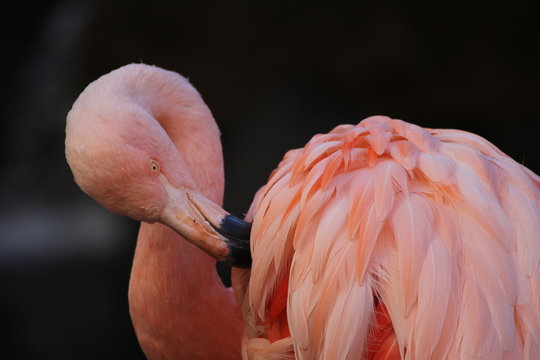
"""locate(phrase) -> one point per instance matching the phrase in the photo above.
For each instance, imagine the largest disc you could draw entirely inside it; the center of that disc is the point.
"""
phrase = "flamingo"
(380, 240)
(384, 240)
(142, 142)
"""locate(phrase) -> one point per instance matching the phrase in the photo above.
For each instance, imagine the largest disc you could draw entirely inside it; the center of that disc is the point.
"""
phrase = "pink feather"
(438, 225)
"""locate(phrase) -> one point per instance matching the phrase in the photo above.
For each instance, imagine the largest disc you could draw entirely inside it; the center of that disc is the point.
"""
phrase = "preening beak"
(237, 233)
(206, 225)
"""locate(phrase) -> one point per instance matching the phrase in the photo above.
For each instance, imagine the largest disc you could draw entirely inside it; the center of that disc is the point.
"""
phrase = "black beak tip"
(238, 233)
(235, 227)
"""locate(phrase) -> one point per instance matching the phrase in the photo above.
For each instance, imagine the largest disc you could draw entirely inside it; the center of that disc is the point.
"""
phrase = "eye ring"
(154, 166)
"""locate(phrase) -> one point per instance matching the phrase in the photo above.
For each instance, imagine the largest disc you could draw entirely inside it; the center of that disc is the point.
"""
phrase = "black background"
(273, 73)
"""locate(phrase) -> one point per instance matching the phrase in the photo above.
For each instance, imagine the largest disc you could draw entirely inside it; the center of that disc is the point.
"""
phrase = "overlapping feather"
(439, 225)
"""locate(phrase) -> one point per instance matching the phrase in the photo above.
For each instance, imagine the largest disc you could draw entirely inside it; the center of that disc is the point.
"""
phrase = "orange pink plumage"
(381, 240)
(394, 241)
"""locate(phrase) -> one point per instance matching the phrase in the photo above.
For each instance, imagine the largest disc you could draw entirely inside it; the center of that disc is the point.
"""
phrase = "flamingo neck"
(178, 305)
(180, 110)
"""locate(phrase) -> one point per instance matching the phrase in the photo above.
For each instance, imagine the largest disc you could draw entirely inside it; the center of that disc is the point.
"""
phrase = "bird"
(386, 240)
(141, 141)
(380, 240)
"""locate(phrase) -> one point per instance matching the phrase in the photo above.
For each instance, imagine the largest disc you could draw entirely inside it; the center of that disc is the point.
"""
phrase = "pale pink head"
(131, 142)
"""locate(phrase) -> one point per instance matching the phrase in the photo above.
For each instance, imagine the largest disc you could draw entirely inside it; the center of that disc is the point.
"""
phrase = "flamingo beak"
(206, 225)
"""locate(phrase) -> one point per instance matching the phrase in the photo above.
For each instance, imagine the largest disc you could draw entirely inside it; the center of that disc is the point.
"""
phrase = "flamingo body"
(385, 240)
(381, 240)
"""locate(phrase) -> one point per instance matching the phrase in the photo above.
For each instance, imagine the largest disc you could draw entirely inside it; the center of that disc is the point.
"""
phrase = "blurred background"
(273, 73)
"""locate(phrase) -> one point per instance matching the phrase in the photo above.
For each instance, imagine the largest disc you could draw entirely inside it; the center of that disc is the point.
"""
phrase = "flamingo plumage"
(380, 240)
(141, 141)
(384, 240)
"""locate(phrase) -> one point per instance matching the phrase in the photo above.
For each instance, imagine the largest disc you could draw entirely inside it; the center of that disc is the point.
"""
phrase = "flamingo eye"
(154, 166)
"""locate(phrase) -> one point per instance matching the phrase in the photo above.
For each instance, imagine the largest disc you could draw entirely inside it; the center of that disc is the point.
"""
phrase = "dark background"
(273, 74)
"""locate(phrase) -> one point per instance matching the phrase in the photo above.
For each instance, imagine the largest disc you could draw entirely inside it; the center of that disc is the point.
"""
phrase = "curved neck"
(179, 307)
(180, 110)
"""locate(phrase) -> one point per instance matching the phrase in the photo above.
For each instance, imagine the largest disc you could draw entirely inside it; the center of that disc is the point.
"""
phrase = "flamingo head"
(124, 159)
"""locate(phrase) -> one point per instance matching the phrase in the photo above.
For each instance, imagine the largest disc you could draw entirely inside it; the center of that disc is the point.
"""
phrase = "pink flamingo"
(381, 240)
(142, 142)
(385, 240)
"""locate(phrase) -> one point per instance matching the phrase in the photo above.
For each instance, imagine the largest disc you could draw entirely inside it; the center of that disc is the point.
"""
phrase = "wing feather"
(412, 222)
(331, 225)
(405, 153)
(438, 226)
(435, 167)
(433, 296)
